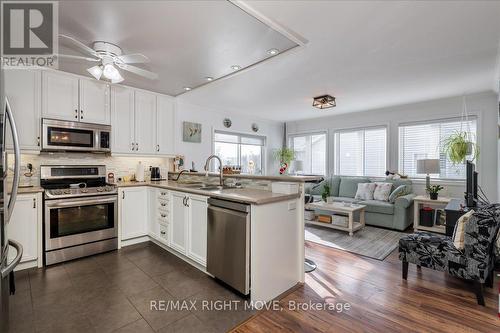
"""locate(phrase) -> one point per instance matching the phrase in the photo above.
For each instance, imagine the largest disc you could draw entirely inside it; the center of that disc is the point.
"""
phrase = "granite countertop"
(28, 190)
(244, 195)
(280, 178)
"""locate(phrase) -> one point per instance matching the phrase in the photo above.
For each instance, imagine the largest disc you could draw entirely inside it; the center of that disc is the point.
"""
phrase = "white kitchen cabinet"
(23, 89)
(60, 96)
(134, 212)
(94, 102)
(197, 229)
(69, 97)
(25, 227)
(165, 125)
(188, 226)
(122, 119)
(145, 122)
(178, 225)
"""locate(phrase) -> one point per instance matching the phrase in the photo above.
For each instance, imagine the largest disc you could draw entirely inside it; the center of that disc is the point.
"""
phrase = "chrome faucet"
(221, 179)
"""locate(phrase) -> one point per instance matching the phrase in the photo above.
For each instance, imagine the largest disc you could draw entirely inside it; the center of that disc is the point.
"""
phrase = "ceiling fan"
(108, 56)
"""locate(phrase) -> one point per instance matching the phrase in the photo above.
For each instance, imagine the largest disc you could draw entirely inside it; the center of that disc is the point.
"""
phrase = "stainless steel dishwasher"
(228, 243)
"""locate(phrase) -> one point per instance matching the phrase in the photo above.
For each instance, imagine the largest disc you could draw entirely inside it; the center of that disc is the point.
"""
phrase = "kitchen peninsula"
(178, 222)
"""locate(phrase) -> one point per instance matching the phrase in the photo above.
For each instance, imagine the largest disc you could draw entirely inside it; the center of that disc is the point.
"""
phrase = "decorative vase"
(433, 196)
(283, 168)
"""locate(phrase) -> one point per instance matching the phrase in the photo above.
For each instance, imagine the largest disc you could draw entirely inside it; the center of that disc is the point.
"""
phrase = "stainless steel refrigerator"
(8, 193)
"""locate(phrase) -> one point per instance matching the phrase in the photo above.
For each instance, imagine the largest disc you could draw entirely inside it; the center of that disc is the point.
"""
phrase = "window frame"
(310, 133)
(263, 148)
(437, 121)
(336, 148)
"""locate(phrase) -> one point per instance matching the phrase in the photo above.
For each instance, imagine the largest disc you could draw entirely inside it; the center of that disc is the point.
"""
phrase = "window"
(421, 141)
(240, 150)
(310, 149)
(361, 152)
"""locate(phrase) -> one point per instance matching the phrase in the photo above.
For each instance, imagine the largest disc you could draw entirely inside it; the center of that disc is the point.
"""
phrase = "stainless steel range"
(80, 212)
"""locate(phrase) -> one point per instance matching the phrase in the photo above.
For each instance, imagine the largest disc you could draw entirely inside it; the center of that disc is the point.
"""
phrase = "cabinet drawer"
(162, 217)
(163, 194)
(163, 232)
(162, 204)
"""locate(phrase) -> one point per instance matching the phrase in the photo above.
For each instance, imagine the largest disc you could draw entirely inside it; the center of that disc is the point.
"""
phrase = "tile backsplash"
(119, 165)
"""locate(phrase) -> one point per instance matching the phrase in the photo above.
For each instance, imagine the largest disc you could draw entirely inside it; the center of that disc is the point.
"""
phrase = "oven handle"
(72, 203)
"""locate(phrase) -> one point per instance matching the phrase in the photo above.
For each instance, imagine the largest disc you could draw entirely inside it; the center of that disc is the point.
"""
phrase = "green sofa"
(397, 215)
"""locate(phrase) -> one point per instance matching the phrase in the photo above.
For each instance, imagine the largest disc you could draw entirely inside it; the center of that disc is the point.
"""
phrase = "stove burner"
(99, 189)
(84, 190)
(67, 191)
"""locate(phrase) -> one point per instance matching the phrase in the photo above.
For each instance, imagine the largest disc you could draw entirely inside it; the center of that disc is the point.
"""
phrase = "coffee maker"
(155, 173)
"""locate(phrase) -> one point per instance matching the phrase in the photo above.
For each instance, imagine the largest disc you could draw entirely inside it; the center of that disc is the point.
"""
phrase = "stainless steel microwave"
(59, 135)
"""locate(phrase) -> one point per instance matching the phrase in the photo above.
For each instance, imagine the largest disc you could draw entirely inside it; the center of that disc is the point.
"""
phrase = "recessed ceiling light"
(235, 67)
(273, 51)
(187, 88)
(209, 78)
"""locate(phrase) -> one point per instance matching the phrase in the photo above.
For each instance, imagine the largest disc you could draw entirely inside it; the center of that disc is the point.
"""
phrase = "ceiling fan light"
(118, 78)
(110, 72)
(95, 71)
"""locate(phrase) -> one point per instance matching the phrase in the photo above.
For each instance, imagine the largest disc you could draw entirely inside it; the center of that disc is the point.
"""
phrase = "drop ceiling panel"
(186, 41)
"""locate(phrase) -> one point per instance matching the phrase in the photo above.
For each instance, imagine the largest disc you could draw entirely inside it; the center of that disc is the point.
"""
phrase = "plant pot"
(433, 196)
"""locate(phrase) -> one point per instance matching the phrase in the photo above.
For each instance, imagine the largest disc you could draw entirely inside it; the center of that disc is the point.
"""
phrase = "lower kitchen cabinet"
(188, 226)
(25, 226)
(134, 212)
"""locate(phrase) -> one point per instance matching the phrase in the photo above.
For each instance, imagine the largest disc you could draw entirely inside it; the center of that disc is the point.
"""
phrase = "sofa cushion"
(376, 206)
(349, 185)
(382, 191)
(365, 191)
(335, 184)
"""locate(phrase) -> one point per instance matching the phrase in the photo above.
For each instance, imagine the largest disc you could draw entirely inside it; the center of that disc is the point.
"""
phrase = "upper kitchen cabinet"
(165, 125)
(94, 102)
(145, 122)
(68, 97)
(122, 120)
(23, 89)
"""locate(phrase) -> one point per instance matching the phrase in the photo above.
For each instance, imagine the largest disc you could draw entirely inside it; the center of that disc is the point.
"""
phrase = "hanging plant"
(459, 145)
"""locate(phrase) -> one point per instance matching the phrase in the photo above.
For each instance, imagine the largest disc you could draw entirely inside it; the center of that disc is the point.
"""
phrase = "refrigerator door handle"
(10, 267)
(17, 160)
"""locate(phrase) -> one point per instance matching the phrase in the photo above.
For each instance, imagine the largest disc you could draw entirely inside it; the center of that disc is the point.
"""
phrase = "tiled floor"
(113, 292)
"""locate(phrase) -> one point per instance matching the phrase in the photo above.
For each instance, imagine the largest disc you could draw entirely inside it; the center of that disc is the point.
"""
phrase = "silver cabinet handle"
(10, 267)
(137, 146)
(163, 204)
(76, 114)
(163, 193)
(123, 195)
(38, 141)
(163, 232)
(81, 114)
(132, 146)
(17, 159)
(163, 215)
(34, 203)
(187, 201)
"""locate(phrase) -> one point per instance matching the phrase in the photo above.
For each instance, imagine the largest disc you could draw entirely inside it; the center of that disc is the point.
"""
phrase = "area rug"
(376, 243)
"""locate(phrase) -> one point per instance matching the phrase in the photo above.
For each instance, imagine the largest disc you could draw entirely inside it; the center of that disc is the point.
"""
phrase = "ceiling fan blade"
(138, 71)
(135, 58)
(68, 56)
(80, 45)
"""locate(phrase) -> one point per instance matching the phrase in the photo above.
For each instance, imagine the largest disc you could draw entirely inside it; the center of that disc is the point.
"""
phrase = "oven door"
(70, 222)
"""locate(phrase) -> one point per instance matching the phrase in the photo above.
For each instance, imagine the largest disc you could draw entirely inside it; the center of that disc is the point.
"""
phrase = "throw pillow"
(382, 191)
(398, 192)
(365, 191)
(459, 232)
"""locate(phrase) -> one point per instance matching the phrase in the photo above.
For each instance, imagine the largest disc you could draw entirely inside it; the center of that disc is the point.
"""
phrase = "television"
(471, 185)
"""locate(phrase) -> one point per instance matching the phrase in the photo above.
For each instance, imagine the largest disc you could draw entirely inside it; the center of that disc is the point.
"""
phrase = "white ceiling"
(186, 41)
(367, 54)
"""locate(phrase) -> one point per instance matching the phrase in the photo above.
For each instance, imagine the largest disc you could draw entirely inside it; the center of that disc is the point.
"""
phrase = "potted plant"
(459, 145)
(326, 192)
(285, 156)
(433, 191)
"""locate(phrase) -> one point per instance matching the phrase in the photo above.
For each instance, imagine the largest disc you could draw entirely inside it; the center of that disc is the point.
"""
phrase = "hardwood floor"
(429, 301)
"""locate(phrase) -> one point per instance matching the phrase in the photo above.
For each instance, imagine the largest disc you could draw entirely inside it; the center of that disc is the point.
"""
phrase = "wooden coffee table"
(338, 207)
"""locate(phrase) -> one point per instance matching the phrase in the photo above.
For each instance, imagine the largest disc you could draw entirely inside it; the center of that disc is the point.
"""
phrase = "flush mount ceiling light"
(273, 51)
(187, 88)
(324, 102)
(235, 67)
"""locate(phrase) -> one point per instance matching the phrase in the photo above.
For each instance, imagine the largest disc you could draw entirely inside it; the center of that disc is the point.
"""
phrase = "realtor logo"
(29, 33)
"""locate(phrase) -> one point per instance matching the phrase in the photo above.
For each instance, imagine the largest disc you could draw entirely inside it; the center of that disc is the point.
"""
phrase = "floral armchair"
(475, 262)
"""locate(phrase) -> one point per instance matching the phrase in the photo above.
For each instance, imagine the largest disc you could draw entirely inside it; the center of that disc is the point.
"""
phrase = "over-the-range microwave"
(59, 135)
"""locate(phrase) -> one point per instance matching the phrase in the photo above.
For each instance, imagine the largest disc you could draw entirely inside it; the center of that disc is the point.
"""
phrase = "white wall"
(212, 120)
(483, 105)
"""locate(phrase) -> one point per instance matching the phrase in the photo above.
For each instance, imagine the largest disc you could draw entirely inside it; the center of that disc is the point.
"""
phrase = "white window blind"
(240, 150)
(311, 150)
(361, 152)
(423, 141)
